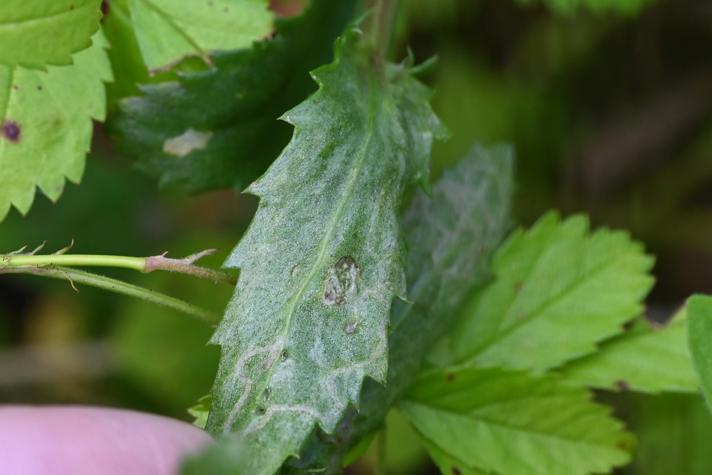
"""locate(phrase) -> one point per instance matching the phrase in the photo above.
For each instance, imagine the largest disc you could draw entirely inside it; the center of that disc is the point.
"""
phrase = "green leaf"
(38, 33)
(170, 30)
(514, 423)
(450, 238)
(646, 358)
(235, 106)
(200, 411)
(559, 290)
(699, 336)
(673, 432)
(46, 124)
(323, 259)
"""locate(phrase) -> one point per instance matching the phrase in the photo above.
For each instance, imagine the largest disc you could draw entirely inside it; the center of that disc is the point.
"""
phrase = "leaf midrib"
(515, 428)
(541, 308)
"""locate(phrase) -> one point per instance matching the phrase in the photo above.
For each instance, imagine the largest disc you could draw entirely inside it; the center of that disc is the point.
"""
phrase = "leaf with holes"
(646, 358)
(514, 423)
(37, 33)
(225, 120)
(46, 119)
(323, 259)
(558, 291)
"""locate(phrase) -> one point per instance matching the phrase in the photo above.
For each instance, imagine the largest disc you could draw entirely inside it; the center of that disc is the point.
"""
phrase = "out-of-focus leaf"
(699, 336)
(673, 432)
(169, 30)
(233, 107)
(514, 423)
(628, 7)
(200, 411)
(37, 33)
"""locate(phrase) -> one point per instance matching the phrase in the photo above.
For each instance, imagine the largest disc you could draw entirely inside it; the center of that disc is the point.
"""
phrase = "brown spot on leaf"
(451, 376)
(456, 471)
(105, 8)
(518, 287)
(11, 131)
(623, 385)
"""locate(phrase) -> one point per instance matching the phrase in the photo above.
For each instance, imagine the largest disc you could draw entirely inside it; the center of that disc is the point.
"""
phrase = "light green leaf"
(170, 30)
(323, 258)
(699, 336)
(646, 358)
(237, 102)
(200, 411)
(558, 291)
(37, 33)
(46, 124)
(513, 423)
(450, 237)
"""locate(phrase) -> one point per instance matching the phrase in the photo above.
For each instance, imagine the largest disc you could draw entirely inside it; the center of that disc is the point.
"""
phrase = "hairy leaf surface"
(170, 30)
(646, 358)
(322, 260)
(46, 124)
(233, 107)
(699, 334)
(450, 237)
(514, 423)
(36, 33)
(558, 291)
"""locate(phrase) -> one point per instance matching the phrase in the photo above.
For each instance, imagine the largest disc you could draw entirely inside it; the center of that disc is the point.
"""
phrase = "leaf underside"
(37, 33)
(235, 105)
(510, 422)
(46, 124)
(627, 7)
(553, 283)
(323, 259)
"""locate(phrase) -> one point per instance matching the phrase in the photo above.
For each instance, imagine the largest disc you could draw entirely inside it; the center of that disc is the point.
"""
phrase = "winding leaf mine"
(323, 258)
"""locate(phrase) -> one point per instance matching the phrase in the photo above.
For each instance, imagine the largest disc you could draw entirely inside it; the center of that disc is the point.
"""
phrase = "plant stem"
(382, 26)
(113, 285)
(141, 264)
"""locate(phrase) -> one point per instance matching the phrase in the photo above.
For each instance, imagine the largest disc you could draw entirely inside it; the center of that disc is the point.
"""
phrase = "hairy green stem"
(142, 264)
(113, 285)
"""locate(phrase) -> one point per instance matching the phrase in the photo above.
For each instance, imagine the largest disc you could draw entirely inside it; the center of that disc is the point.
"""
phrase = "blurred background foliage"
(610, 112)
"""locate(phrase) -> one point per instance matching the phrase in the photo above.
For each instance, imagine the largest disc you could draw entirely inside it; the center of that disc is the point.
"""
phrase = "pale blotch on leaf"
(341, 281)
(351, 327)
(186, 143)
